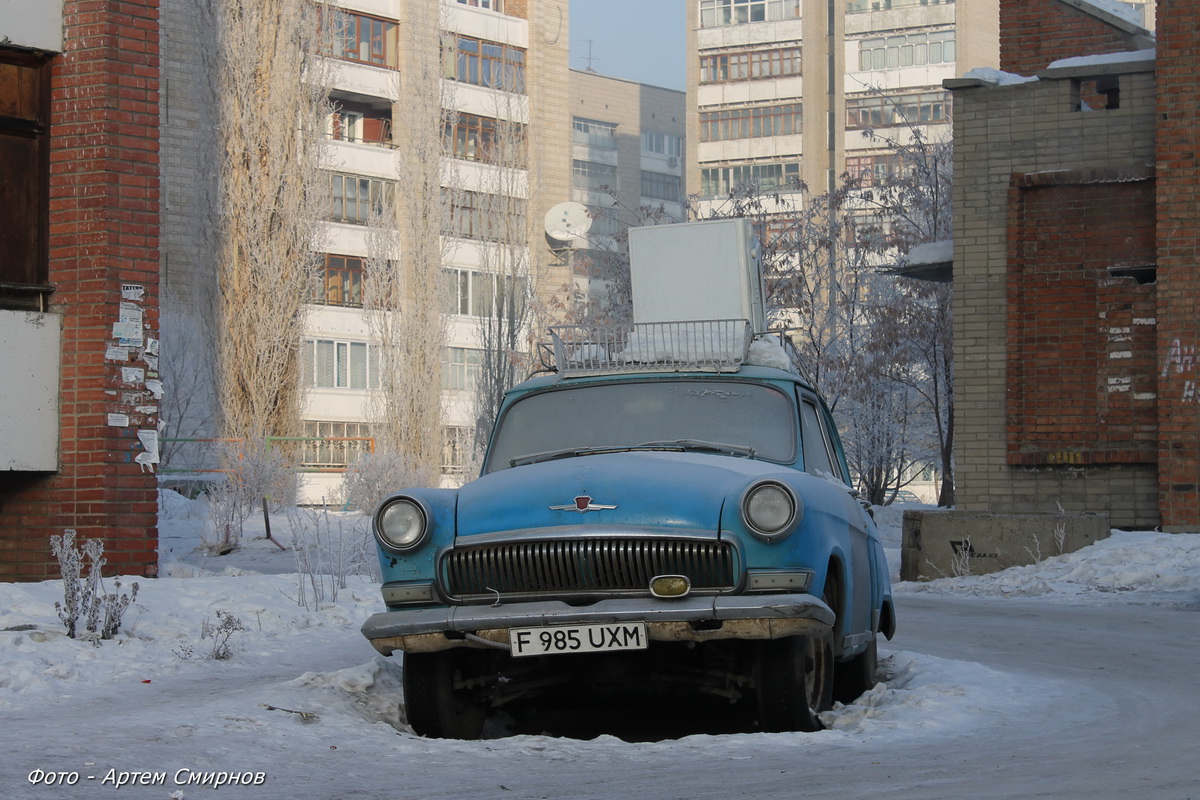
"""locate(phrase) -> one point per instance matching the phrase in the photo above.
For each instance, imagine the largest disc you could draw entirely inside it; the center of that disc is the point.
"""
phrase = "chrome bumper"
(726, 617)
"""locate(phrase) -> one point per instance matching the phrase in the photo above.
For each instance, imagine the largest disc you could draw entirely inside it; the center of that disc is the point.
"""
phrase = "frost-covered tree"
(271, 143)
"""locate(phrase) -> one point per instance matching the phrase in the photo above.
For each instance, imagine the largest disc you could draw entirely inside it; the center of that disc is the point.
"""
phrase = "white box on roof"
(697, 271)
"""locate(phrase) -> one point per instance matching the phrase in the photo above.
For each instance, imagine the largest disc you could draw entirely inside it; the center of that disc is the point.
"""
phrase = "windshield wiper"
(566, 452)
(697, 444)
(674, 444)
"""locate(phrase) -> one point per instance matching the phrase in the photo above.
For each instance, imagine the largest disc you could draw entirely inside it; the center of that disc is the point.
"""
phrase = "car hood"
(661, 490)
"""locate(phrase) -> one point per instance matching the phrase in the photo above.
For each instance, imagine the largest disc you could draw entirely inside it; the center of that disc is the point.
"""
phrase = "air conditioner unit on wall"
(672, 162)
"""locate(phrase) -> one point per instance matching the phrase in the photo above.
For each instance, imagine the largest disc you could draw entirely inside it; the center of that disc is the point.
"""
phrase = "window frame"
(752, 122)
(584, 175)
(720, 180)
(378, 193)
(345, 359)
(462, 368)
(748, 65)
(472, 217)
(662, 186)
(594, 133)
(341, 275)
(381, 39)
(493, 65)
(25, 135)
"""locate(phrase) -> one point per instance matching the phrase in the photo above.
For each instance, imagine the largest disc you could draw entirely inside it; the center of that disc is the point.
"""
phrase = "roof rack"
(694, 346)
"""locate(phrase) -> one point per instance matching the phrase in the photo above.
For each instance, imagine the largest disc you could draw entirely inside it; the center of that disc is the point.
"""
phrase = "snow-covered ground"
(304, 708)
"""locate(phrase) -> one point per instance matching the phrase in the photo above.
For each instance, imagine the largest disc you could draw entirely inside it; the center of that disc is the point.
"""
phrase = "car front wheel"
(794, 678)
(438, 697)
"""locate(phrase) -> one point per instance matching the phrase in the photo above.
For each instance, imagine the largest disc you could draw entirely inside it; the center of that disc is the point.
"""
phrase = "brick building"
(79, 270)
(1075, 267)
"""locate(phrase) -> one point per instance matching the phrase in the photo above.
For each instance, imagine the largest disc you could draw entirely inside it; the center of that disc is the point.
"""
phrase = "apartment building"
(500, 77)
(785, 89)
(503, 154)
(627, 162)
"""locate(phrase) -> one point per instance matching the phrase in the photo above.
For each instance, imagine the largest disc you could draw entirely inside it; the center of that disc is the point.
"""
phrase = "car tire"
(435, 704)
(794, 682)
(855, 676)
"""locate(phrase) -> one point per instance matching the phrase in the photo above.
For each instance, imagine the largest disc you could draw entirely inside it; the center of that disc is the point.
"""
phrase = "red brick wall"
(1034, 33)
(1178, 259)
(1081, 341)
(103, 234)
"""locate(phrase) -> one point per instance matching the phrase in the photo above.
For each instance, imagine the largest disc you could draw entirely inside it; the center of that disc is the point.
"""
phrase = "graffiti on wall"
(1181, 361)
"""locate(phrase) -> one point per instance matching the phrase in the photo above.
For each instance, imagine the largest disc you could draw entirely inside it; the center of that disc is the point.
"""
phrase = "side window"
(817, 457)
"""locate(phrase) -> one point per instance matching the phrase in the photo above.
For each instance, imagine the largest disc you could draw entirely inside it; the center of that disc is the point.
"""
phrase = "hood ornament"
(582, 503)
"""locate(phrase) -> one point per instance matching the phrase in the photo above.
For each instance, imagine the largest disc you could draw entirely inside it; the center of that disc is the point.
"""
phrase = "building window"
(341, 443)
(717, 181)
(490, 5)
(456, 449)
(750, 65)
(490, 64)
(911, 50)
(359, 122)
(461, 367)
(353, 198)
(491, 141)
(367, 40)
(871, 170)
(332, 364)
(488, 217)
(602, 135)
(662, 144)
(718, 13)
(341, 282)
(661, 186)
(907, 109)
(25, 186)
(750, 123)
(484, 294)
(863, 6)
(604, 222)
(593, 177)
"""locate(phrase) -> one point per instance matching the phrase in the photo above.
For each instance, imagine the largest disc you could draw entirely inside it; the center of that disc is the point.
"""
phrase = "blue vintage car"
(690, 515)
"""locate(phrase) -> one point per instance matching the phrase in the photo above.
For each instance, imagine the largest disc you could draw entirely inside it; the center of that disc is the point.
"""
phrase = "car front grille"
(584, 566)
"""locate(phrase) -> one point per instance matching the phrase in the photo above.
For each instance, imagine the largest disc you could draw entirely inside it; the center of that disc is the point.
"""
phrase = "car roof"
(746, 372)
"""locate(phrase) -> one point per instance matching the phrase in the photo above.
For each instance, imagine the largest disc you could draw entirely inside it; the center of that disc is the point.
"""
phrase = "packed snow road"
(1072, 678)
(991, 697)
(1112, 701)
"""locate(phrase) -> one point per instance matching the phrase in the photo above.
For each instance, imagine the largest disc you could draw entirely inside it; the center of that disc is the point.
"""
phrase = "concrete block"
(939, 544)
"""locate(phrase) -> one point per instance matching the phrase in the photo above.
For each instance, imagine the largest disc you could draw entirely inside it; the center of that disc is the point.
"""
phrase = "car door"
(823, 456)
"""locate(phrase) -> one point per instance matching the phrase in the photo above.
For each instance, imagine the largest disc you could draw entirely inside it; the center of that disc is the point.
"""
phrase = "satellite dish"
(567, 222)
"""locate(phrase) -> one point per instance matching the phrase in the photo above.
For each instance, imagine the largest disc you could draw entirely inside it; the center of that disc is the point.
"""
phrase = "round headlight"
(769, 509)
(401, 524)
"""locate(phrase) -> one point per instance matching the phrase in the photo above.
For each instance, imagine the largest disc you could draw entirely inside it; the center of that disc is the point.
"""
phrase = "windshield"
(634, 413)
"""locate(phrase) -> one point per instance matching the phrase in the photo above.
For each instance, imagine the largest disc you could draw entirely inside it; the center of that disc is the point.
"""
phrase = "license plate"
(578, 639)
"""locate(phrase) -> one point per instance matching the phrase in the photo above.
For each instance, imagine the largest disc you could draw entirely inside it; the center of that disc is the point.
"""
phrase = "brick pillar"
(103, 234)
(1178, 265)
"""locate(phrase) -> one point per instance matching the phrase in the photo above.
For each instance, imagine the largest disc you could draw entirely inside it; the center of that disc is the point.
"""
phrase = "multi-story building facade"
(514, 133)
(783, 90)
(627, 147)
(789, 96)
(499, 78)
